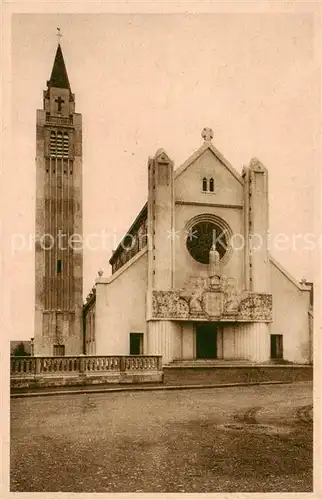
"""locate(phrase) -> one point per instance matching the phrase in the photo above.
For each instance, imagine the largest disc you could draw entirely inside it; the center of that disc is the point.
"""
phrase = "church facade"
(193, 277)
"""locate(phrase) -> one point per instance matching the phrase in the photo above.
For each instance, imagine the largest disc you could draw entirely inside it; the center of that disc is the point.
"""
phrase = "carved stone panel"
(213, 304)
(168, 304)
(208, 305)
(256, 307)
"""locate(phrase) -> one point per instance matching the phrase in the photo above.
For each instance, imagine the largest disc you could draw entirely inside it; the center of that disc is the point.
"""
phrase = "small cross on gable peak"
(207, 134)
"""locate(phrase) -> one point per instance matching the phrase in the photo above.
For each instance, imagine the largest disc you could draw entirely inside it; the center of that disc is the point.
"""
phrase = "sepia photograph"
(161, 223)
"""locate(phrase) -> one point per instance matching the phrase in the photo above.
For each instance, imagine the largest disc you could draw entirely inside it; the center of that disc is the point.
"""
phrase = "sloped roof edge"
(218, 155)
(288, 275)
(141, 215)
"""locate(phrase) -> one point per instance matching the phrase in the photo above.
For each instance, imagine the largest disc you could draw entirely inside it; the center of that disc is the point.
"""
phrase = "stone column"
(160, 222)
(249, 341)
(164, 339)
(256, 227)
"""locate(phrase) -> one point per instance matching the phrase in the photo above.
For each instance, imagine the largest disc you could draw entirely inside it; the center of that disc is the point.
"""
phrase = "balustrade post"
(37, 366)
(122, 365)
(81, 364)
(160, 363)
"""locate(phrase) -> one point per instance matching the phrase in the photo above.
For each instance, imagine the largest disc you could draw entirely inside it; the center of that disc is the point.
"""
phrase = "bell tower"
(58, 248)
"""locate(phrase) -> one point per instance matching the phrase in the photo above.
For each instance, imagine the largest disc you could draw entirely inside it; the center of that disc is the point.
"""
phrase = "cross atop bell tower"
(59, 261)
(59, 35)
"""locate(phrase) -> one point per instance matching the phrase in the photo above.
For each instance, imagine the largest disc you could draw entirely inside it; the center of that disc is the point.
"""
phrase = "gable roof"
(219, 156)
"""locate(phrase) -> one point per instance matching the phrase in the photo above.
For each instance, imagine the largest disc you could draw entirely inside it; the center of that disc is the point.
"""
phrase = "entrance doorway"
(206, 340)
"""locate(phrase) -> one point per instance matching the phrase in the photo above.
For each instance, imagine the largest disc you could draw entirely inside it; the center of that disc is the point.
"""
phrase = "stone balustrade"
(22, 367)
(150, 363)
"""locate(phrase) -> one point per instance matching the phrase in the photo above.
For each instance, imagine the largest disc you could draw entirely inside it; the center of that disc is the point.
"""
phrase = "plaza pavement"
(228, 439)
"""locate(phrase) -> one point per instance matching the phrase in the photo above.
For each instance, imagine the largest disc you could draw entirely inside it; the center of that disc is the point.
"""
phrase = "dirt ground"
(238, 439)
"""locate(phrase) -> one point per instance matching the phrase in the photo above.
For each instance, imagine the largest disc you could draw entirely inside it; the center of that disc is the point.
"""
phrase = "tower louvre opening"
(59, 144)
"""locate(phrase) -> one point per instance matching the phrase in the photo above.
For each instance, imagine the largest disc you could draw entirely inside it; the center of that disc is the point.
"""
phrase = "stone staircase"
(223, 362)
(210, 362)
(219, 371)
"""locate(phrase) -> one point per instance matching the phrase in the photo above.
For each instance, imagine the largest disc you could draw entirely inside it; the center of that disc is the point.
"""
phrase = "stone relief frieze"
(169, 304)
(254, 304)
(211, 305)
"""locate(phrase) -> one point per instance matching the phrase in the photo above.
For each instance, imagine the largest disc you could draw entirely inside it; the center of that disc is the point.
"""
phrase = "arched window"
(204, 184)
(211, 185)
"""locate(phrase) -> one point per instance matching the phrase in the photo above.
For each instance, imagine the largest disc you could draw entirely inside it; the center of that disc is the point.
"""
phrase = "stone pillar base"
(164, 339)
(250, 341)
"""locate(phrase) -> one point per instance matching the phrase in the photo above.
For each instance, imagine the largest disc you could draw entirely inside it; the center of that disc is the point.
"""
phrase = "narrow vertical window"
(52, 143)
(66, 145)
(59, 145)
(58, 266)
(211, 185)
(204, 184)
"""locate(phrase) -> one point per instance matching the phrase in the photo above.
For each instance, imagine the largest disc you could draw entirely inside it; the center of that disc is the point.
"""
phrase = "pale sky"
(148, 81)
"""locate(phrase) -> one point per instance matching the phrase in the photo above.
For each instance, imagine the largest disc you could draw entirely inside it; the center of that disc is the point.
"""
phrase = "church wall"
(188, 185)
(290, 316)
(185, 265)
(121, 307)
